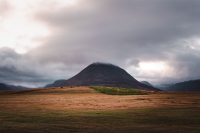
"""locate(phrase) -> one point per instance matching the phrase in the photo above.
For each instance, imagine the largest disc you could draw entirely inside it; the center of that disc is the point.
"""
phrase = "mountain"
(163, 86)
(101, 74)
(5, 87)
(192, 85)
(146, 83)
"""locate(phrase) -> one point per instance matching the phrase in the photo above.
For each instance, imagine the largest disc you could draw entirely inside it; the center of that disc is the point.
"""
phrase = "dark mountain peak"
(105, 68)
(101, 64)
(102, 74)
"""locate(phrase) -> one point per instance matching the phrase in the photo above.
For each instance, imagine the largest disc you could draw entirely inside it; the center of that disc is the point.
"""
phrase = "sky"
(155, 40)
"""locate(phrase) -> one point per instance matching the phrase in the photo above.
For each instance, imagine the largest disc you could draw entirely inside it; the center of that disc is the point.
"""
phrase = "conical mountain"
(101, 74)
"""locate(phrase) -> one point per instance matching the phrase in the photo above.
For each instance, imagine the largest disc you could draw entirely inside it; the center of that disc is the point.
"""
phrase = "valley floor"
(81, 109)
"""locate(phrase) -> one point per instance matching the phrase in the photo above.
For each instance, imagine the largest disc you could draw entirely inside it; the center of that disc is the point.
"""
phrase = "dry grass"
(87, 99)
(81, 109)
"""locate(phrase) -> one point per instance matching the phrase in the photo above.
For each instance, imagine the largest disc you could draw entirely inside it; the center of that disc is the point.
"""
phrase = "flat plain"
(82, 109)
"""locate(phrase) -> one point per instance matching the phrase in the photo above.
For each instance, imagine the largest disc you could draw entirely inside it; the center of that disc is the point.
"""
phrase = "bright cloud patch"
(148, 70)
(19, 30)
(152, 68)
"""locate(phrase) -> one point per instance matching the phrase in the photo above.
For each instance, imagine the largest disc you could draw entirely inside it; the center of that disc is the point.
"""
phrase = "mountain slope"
(5, 87)
(193, 85)
(100, 74)
(146, 83)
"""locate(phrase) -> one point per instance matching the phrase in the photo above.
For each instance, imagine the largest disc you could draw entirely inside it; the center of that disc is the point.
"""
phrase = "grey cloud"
(118, 31)
(122, 32)
(23, 70)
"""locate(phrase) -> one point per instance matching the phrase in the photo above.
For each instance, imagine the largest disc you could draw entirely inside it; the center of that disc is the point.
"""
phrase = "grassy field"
(118, 91)
(171, 120)
(84, 110)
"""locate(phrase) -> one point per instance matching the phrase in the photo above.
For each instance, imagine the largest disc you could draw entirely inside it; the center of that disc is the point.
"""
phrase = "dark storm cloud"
(27, 71)
(123, 32)
(17, 69)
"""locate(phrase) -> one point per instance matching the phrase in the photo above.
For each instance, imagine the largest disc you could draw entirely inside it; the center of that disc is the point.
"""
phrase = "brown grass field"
(82, 109)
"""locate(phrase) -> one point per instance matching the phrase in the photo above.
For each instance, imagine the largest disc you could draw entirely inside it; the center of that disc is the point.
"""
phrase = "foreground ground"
(82, 109)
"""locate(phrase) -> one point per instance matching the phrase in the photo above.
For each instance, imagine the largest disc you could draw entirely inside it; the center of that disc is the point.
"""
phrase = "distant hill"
(193, 85)
(5, 87)
(101, 74)
(163, 86)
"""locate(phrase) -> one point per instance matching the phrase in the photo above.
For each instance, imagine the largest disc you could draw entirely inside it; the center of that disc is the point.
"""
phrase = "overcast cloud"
(130, 33)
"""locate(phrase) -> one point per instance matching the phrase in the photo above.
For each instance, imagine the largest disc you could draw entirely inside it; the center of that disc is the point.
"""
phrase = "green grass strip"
(118, 91)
